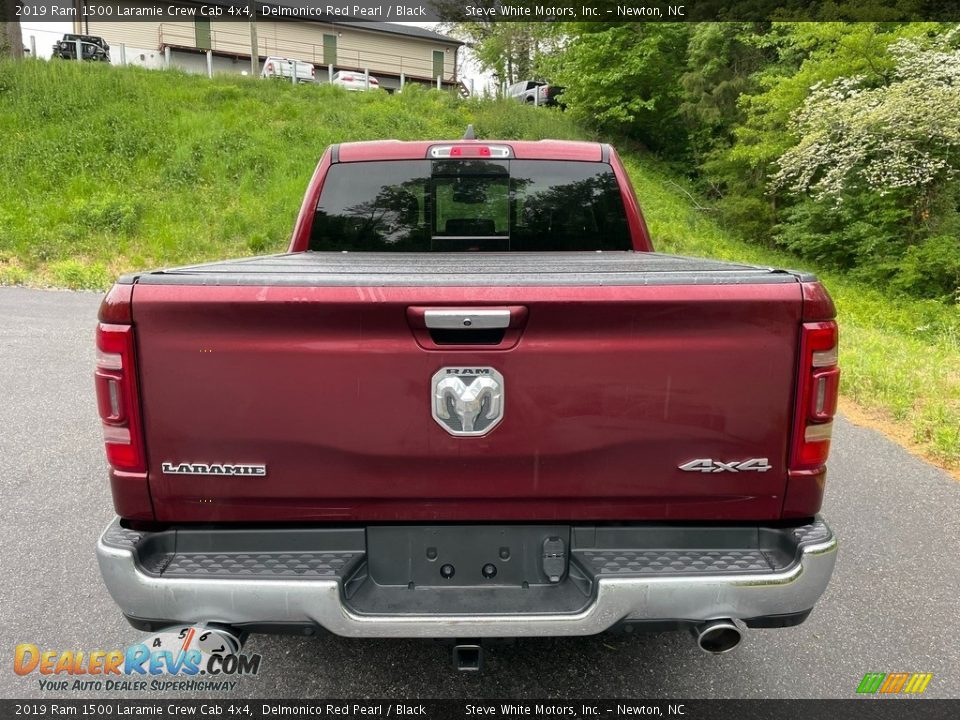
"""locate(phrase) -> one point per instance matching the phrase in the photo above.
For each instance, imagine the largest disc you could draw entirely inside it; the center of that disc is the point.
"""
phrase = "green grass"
(125, 168)
(118, 169)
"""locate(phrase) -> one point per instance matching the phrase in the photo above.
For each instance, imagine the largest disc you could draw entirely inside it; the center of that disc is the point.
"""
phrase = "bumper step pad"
(280, 553)
(628, 562)
(289, 565)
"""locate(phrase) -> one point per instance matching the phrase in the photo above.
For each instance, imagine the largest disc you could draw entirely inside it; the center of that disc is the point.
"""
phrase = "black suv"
(91, 47)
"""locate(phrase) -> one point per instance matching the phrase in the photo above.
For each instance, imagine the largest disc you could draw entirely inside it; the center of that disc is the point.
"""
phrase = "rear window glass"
(470, 205)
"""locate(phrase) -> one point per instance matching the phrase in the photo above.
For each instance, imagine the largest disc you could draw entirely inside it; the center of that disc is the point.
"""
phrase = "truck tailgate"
(621, 368)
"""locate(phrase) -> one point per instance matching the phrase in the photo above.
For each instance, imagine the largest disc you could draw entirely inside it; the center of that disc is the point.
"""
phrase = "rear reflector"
(118, 400)
(818, 433)
(116, 435)
(109, 361)
(825, 358)
(818, 385)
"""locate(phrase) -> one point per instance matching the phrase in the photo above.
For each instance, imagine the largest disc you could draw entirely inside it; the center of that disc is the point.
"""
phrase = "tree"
(510, 50)
(799, 56)
(625, 78)
(722, 59)
(11, 39)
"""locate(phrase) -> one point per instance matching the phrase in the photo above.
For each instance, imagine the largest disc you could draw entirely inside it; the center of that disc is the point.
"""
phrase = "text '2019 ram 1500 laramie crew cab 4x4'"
(469, 402)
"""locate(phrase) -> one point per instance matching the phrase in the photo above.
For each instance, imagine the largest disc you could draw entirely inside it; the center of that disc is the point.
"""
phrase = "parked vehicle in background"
(91, 47)
(287, 68)
(351, 80)
(535, 92)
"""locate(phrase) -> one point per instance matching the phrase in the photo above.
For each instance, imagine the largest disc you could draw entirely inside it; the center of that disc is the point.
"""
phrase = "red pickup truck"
(470, 402)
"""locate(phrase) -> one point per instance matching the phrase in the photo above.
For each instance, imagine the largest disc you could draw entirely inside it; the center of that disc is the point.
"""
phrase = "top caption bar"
(492, 11)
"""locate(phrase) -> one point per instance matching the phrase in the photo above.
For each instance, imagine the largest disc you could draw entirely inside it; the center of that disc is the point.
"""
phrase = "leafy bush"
(747, 215)
(863, 231)
(12, 274)
(109, 214)
(258, 243)
(78, 275)
(931, 269)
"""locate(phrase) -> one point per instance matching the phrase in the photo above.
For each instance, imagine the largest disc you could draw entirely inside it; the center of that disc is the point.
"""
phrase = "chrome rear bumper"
(152, 580)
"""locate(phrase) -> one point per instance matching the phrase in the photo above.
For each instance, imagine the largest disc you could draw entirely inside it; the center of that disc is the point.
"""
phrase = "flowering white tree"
(902, 135)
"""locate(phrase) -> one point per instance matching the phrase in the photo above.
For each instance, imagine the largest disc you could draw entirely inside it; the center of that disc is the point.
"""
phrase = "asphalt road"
(893, 605)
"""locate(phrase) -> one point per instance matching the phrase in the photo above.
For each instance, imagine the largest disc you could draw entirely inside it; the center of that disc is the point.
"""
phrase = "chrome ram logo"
(467, 401)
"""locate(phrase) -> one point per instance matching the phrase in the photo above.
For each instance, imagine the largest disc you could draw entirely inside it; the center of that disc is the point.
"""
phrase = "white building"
(387, 50)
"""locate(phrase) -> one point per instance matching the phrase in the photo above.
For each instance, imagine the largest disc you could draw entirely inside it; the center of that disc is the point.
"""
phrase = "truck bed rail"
(467, 269)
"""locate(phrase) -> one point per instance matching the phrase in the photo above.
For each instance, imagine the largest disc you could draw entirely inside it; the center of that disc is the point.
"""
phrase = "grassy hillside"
(116, 169)
(126, 168)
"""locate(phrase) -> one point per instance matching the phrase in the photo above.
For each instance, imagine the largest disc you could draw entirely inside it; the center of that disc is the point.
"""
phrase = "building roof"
(384, 27)
(395, 29)
(373, 26)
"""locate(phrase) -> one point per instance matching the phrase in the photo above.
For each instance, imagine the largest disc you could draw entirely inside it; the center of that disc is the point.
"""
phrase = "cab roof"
(419, 149)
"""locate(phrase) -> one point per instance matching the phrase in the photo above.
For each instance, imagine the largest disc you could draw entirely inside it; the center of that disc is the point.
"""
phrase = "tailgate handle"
(467, 319)
(463, 327)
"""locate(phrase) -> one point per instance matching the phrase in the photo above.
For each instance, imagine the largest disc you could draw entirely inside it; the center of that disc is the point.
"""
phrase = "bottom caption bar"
(440, 709)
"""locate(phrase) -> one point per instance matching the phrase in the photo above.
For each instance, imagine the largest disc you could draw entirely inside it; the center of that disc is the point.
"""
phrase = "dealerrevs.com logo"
(184, 657)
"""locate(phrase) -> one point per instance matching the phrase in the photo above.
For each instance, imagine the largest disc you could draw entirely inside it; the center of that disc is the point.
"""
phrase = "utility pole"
(11, 38)
(254, 45)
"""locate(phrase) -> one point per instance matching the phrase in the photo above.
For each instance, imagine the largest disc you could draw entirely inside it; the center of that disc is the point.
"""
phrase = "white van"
(280, 67)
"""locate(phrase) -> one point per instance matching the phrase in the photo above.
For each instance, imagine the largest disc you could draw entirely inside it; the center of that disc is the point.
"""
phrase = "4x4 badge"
(707, 465)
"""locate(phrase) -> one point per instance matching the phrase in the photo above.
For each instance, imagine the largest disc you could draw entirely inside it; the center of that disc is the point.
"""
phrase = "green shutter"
(202, 29)
(329, 49)
(437, 64)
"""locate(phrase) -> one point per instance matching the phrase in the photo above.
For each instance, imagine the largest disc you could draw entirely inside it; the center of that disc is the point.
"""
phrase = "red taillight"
(374, 81)
(817, 388)
(470, 151)
(118, 398)
(269, 67)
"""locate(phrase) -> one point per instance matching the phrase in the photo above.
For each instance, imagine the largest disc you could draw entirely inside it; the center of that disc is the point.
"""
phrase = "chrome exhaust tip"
(717, 636)
(229, 638)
